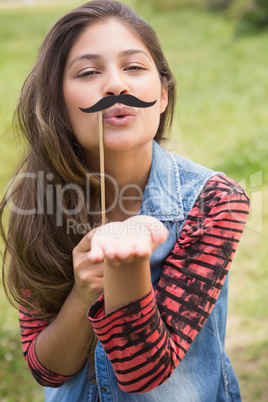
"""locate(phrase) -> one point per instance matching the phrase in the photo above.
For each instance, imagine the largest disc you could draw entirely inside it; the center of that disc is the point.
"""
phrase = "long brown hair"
(38, 244)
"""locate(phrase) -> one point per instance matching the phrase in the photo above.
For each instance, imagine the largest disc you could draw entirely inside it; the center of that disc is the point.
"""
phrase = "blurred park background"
(218, 50)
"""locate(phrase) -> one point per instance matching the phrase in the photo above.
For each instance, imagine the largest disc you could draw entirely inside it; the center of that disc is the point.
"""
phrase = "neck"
(126, 176)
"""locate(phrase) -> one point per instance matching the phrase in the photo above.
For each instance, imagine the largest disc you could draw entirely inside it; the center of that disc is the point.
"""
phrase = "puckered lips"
(119, 115)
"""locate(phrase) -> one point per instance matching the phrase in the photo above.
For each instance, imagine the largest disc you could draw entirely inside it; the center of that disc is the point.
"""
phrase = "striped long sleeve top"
(146, 339)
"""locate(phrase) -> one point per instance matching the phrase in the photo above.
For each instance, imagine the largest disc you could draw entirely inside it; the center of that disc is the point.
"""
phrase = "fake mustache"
(110, 100)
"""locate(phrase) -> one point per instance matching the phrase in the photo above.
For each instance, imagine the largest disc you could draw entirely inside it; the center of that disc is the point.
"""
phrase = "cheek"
(76, 96)
(71, 108)
(152, 119)
(84, 125)
(73, 113)
(73, 101)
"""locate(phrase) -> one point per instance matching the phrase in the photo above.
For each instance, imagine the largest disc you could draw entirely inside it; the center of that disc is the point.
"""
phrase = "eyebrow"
(92, 56)
(133, 51)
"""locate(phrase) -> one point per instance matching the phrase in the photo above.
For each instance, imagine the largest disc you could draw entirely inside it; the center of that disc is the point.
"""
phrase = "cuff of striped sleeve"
(98, 319)
(134, 340)
(43, 376)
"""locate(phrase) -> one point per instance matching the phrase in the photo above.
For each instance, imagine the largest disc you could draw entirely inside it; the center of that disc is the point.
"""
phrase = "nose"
(115, 83)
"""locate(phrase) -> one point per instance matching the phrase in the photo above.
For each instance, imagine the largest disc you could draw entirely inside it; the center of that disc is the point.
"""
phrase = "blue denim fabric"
(205, 373)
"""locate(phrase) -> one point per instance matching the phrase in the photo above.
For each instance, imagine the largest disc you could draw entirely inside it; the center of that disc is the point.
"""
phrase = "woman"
(146, 283)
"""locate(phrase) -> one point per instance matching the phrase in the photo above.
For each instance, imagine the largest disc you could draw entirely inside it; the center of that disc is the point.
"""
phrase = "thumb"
(159, 233)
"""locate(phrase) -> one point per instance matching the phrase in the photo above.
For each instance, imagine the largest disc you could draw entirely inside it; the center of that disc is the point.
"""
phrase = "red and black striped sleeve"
(148, 338)
(30, 328)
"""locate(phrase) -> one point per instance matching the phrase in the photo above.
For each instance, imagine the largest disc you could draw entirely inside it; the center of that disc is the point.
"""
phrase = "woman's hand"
(114, 259)
(123, 242)
(125, 247)
(88, 276)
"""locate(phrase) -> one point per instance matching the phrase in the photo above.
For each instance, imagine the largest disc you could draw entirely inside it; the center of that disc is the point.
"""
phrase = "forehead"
(107, 36)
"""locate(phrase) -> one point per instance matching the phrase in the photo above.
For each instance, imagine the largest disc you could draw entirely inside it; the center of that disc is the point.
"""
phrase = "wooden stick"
(102, 172)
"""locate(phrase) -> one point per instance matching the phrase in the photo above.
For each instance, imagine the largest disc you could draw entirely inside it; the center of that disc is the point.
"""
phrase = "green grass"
(221, 122)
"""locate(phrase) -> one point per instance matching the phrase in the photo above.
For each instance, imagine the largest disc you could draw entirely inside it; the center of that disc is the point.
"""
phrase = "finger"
(109, 248)
(114, 262)
(85, 244)
(99, 269)
(123, 256)
(143, 247)
(127, 260)
(96, 254)
(96, 269)
(125, 249)
(159, 233)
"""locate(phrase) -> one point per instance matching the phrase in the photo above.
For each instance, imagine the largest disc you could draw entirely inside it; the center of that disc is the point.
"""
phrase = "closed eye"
(87, 73)
(135, 68)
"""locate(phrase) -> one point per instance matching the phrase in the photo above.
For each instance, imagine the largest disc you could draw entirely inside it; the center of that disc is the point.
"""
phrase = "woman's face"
(109, 59)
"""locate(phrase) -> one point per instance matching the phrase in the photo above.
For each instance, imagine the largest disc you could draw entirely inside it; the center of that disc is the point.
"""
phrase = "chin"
(119, 141)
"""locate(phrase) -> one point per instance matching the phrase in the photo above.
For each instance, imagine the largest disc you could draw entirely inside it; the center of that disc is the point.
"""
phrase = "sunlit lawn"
(221, 122)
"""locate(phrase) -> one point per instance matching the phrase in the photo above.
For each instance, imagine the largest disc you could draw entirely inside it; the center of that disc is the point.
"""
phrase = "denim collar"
(162, 196)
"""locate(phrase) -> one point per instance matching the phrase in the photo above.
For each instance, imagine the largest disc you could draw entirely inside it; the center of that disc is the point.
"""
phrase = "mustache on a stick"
(110, 100)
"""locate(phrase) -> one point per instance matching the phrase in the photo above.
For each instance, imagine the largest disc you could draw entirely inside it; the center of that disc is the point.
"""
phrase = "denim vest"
(205, 373)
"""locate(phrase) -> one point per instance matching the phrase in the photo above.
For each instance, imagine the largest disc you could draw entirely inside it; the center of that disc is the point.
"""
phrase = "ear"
(164, 96)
